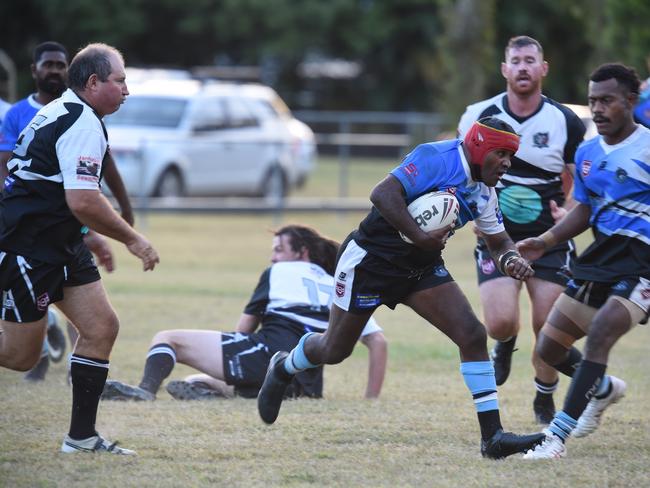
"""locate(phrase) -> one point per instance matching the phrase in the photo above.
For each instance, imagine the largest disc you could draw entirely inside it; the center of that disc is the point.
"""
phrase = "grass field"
(421, 432)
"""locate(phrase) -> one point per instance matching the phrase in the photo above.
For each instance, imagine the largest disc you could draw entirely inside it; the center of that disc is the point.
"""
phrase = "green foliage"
(422, 55)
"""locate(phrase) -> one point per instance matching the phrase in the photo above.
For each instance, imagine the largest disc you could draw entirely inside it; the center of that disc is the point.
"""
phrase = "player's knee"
(335, 355)
(24, 361)
(103, 331)
(549, 351)
(473, 339)
(501, 329)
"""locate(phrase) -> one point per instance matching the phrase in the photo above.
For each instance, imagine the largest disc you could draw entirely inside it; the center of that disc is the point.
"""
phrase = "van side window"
(210, 115)
(239, 114)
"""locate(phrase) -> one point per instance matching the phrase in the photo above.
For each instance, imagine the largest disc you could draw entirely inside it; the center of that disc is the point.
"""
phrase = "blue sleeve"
(422, 170)
(580, 193)
(9, 134)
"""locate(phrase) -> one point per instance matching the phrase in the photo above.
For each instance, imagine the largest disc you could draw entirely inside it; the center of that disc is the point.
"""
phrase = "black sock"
(490, 422)
(583, 387)
(545, 390)
(88, 379)
(161, 360)
(570, 363)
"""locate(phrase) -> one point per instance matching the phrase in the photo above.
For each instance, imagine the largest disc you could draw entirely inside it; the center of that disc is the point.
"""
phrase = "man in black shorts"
(531, 197)
(610, 291)
(292, 298)
(51, 212)
(377, 266)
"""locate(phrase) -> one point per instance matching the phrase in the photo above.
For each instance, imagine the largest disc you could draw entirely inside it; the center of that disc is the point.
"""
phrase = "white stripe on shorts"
(350, 258)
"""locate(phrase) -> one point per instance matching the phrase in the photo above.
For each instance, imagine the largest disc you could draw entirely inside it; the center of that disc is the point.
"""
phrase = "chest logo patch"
(540, 139)
(586, 167)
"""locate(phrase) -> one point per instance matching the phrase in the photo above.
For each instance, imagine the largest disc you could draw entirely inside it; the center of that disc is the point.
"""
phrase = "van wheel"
(275, 184)
(170, 184)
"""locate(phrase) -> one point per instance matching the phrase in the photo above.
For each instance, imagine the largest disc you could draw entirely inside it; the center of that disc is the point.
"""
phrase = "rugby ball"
(433, 211)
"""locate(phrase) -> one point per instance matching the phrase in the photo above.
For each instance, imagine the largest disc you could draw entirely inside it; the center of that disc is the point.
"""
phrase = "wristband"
(548, 238)
(505, 259)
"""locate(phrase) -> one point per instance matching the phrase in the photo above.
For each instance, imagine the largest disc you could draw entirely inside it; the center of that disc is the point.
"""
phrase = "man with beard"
(531, 196)
(50, 73)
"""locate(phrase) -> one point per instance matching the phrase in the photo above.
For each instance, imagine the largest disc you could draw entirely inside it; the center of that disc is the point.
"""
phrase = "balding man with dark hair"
(51, 212)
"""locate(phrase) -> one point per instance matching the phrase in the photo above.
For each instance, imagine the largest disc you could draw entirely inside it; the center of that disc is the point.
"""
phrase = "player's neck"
(44, 98)
(523, 105)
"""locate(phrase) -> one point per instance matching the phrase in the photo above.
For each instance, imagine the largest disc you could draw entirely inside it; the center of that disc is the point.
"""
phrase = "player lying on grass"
(292, 298)
(376, 266)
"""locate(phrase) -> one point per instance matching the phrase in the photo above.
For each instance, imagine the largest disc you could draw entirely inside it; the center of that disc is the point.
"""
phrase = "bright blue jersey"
(615, 182)
(16, 119)
(434, 166)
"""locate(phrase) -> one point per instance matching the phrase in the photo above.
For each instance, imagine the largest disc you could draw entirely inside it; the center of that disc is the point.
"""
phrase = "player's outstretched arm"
(94, 210)
(572, 224)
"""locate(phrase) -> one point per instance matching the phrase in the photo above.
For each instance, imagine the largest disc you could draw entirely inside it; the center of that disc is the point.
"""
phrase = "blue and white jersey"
(548, 141)
(16, 119)
(434, 166)
(298, 292)
(615, 182)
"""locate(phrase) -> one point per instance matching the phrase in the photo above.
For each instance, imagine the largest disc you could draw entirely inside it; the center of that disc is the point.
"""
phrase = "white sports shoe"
(93, 444)
(551, 448)
(590, 418)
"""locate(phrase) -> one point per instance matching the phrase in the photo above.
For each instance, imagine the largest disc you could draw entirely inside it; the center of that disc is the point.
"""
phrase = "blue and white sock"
(562, 425)
(297, 360)
(479, 378)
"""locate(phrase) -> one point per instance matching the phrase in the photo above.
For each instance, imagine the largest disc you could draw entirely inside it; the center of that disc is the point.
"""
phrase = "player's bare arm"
(94, 210)
(114, 181)
(506, 256)
(574, 223)
(389, 198)
(247, 323)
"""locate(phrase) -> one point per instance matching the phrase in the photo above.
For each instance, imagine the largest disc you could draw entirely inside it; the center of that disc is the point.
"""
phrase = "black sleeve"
(257, 304)
(575, 133)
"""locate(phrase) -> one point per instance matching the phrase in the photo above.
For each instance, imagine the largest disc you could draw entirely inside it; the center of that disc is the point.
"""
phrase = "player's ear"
(304, 254)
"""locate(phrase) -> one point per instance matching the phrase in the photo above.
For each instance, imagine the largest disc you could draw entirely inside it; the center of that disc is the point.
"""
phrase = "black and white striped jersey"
(62, 148)
(548, 141)
(299, 292)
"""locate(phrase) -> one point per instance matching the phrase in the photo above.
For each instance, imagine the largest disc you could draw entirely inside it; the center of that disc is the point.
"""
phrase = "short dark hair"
(48, 46)
(624, 75)
(523, 41)
(92, 59)
(322, 250)
(497, 124)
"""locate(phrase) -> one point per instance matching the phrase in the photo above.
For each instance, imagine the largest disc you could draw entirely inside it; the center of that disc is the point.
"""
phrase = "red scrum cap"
(486, 135)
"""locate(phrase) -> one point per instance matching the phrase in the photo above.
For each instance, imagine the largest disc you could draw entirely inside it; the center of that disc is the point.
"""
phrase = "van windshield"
(149, 112)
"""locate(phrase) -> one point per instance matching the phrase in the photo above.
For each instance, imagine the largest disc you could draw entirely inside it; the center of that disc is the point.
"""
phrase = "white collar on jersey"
(628, 140)
(463, 160)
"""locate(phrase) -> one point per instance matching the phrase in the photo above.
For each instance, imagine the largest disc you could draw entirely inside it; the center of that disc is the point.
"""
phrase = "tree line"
(411, 55)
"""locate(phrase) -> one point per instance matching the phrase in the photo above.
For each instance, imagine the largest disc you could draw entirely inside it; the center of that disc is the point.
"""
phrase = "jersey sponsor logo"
(9, 183)
(586, 167)
(440, 271)
(621, 175)
(8, 302)
(43, 301)
(602, 164)
(342, 276)
(411, 171)
(87, 169)
(367, 301)
(340, 289)
(487, 266)
(540, 139)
